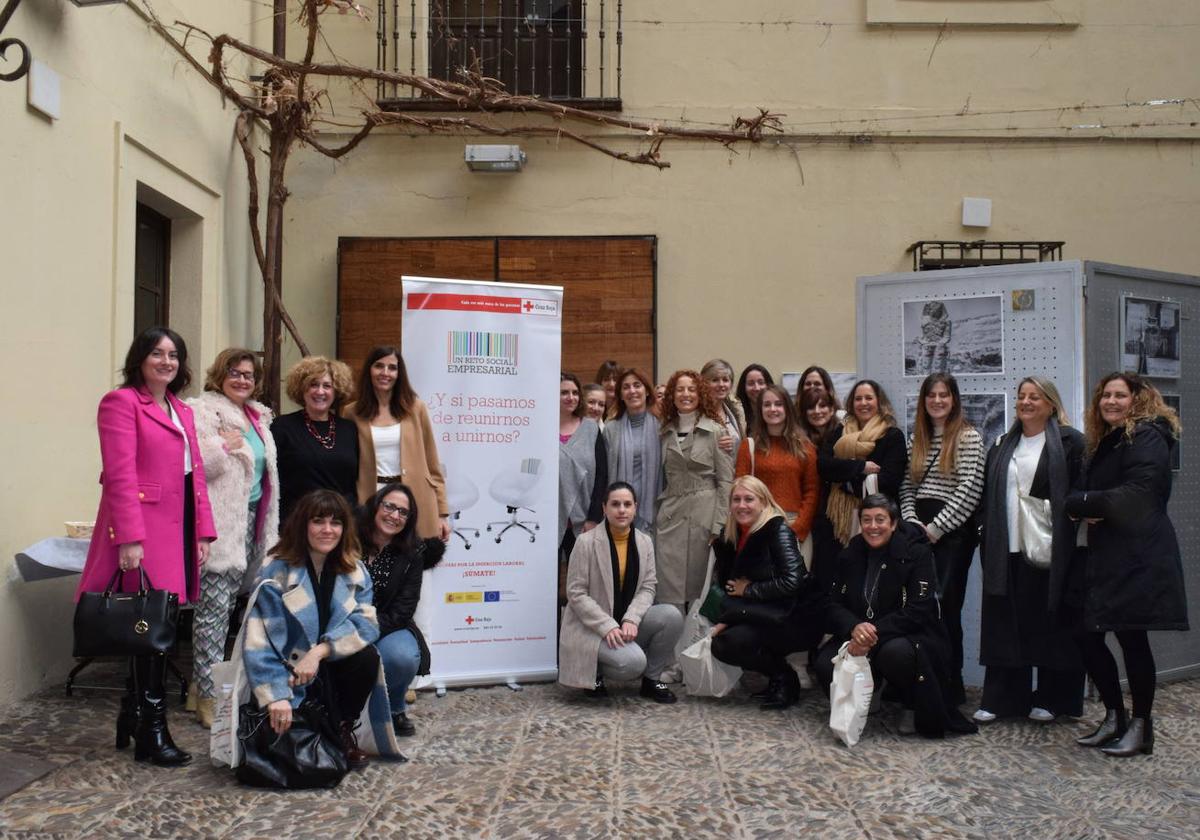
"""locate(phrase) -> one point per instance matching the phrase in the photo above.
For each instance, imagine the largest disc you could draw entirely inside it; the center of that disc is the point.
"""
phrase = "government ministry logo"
(473, 351)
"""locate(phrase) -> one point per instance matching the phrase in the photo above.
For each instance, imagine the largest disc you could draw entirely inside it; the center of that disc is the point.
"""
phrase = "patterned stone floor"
(493, 763)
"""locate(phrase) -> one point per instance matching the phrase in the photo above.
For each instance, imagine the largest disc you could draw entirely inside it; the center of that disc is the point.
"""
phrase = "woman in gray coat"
(697, 475)
(611, 626)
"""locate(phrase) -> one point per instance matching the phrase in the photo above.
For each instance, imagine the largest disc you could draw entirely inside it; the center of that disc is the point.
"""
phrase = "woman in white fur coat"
(243, 484)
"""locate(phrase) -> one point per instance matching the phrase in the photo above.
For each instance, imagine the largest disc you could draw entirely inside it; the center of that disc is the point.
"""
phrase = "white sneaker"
(1040, 715)
(983, 716)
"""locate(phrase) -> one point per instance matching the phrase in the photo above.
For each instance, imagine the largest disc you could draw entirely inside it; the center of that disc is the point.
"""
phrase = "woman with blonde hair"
(939, 493)
(1133, 578)
(396, 443)
(770, 607)
(1039, 459)
(867, 455)
(317, 448)
(719, 375)
(243, 488)
(696, 478)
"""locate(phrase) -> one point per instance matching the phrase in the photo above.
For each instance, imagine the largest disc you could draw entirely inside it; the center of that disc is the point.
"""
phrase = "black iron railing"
(564, 50)
(930, 254)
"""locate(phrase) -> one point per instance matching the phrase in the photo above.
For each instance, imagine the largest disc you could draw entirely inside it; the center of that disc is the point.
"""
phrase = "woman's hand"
(233, 439)
(870, 468)
(202, 547)
(718, 629)
(304, 671)
(1094, 520)
(725, 442)
(862, 638)
(280, 713)
(444, 529)
(629, 631)
(929, 534)
(614, 638)
(129, 556)
(587, 526)
(737, 587)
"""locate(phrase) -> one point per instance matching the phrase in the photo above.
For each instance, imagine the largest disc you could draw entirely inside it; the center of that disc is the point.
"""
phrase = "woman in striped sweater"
(940, 491)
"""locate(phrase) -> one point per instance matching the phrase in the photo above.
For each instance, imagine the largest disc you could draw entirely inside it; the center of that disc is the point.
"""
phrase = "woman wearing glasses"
(396, 559)
(243, 489)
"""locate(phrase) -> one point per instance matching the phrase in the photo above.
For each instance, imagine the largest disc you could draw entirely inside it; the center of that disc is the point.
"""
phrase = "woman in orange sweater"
(785, 460)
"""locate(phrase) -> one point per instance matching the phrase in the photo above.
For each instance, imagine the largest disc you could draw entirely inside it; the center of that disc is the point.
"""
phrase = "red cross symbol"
(528, 306)
(470, 620)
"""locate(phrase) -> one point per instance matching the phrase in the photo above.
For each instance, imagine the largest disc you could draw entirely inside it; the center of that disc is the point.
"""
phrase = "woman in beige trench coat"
(611, 626)
(694, 500)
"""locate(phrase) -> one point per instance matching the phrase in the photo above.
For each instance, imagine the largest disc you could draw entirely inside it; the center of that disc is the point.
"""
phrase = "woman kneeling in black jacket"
(771, 607)
(397, 561)
(884, 603)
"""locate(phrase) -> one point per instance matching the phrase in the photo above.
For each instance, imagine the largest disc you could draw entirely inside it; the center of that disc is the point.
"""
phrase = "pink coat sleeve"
(117, 423)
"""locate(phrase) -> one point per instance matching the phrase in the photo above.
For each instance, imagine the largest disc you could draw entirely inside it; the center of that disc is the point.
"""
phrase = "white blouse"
(1020, 474)
(387, 449)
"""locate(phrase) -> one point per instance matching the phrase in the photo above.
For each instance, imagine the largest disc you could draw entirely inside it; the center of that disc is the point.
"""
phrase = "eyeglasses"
(248, 375)
(388, 507)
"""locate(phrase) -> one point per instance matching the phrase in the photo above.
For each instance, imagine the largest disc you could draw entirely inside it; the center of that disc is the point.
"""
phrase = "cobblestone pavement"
(545, 762)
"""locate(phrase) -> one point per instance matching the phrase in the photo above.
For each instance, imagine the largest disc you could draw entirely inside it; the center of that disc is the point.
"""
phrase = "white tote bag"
(850, 696)
(232, 690)
(696, 626)
(704, 674)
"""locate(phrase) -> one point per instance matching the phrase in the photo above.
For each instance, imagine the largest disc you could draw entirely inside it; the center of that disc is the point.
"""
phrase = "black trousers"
(1139, 668)
(346, 683)
(1009, 692)
(753, 648)
(895, 661)
(952, 556)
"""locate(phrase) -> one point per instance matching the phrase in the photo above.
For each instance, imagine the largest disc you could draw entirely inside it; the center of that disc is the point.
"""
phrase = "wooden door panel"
(370, 294)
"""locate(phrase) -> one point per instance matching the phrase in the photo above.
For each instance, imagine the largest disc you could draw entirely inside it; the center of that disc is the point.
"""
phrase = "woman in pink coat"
(154, 513)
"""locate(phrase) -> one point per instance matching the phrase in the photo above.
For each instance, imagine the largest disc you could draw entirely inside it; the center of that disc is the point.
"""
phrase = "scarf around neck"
(639, 443)
(854, 444)
(623, 591)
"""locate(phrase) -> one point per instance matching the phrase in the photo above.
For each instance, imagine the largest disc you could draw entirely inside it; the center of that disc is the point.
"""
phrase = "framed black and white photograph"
(963, 336)
(988, 413)
(1150, 336)
(1177, 452)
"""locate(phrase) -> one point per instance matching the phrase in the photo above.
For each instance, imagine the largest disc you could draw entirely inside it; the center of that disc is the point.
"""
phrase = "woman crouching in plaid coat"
(318, 623)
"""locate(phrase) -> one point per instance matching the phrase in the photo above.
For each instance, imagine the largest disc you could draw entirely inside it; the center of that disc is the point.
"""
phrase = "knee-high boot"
(152, 739)
(127, 714)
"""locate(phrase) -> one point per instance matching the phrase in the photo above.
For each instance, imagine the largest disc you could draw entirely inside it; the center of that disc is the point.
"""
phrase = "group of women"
(330, 514)
(828, 528)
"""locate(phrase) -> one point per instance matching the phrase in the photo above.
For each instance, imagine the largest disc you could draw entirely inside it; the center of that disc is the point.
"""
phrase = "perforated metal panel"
(1176, 654)
(1046, 340)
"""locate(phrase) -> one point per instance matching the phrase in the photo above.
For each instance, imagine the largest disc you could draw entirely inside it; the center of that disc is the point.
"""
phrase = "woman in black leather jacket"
(771, 607)
(884, 604)
(397, 560)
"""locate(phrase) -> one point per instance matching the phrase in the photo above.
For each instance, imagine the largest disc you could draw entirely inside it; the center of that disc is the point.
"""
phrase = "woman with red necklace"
(317, 449)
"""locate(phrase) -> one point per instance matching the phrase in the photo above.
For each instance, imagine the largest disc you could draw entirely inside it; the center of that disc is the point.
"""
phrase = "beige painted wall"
(758, 250)
(133, 119)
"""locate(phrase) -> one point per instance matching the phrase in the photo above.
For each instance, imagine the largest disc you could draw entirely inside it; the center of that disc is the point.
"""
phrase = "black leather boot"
(1110, 729)
(1138, 738)
(127, 717)
(152, 740)
(787, 693)
(772, 687)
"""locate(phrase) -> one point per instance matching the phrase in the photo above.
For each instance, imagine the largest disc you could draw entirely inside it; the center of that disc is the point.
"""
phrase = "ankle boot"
(786, 694)
(1138, 738)
(127, 717)
(1111, 728)
(355, 757)
(152, 740)
(205, 710)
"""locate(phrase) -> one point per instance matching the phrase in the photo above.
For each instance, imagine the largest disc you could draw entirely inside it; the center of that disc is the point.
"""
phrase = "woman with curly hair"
(1132, 581)
(697, 476)
(317, 450)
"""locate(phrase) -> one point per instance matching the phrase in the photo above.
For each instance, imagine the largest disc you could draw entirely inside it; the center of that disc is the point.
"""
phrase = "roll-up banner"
(485, 358)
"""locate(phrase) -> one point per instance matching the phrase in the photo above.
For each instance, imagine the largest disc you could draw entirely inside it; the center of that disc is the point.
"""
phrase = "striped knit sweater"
(961, 489)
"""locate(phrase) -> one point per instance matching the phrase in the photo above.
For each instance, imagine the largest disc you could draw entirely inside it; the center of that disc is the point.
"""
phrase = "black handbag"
(308, 755)
(138, 623)
(767, 614)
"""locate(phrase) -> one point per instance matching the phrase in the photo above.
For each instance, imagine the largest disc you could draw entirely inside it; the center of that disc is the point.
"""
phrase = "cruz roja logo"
(472, 620)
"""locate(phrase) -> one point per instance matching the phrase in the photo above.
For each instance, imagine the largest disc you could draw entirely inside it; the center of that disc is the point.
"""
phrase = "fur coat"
(229, 475)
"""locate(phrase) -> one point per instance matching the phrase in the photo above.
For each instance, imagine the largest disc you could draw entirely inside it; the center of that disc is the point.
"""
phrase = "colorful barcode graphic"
(493, 346)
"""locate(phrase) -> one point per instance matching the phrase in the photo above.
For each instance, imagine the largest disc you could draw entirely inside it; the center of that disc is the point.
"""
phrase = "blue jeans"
(401, 658)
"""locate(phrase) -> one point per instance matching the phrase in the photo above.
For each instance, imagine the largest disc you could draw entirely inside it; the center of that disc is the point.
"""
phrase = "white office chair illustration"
(461, 494)
(514, 490)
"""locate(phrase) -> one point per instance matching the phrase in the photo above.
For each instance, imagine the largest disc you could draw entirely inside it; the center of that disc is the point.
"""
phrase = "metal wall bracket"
(26, 56)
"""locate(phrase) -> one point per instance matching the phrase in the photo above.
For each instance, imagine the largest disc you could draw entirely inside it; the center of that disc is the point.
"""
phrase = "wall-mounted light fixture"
(10, 8)
(494, 158)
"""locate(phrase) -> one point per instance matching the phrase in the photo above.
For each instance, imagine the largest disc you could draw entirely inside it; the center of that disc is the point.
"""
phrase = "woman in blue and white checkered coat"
(315, 618)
